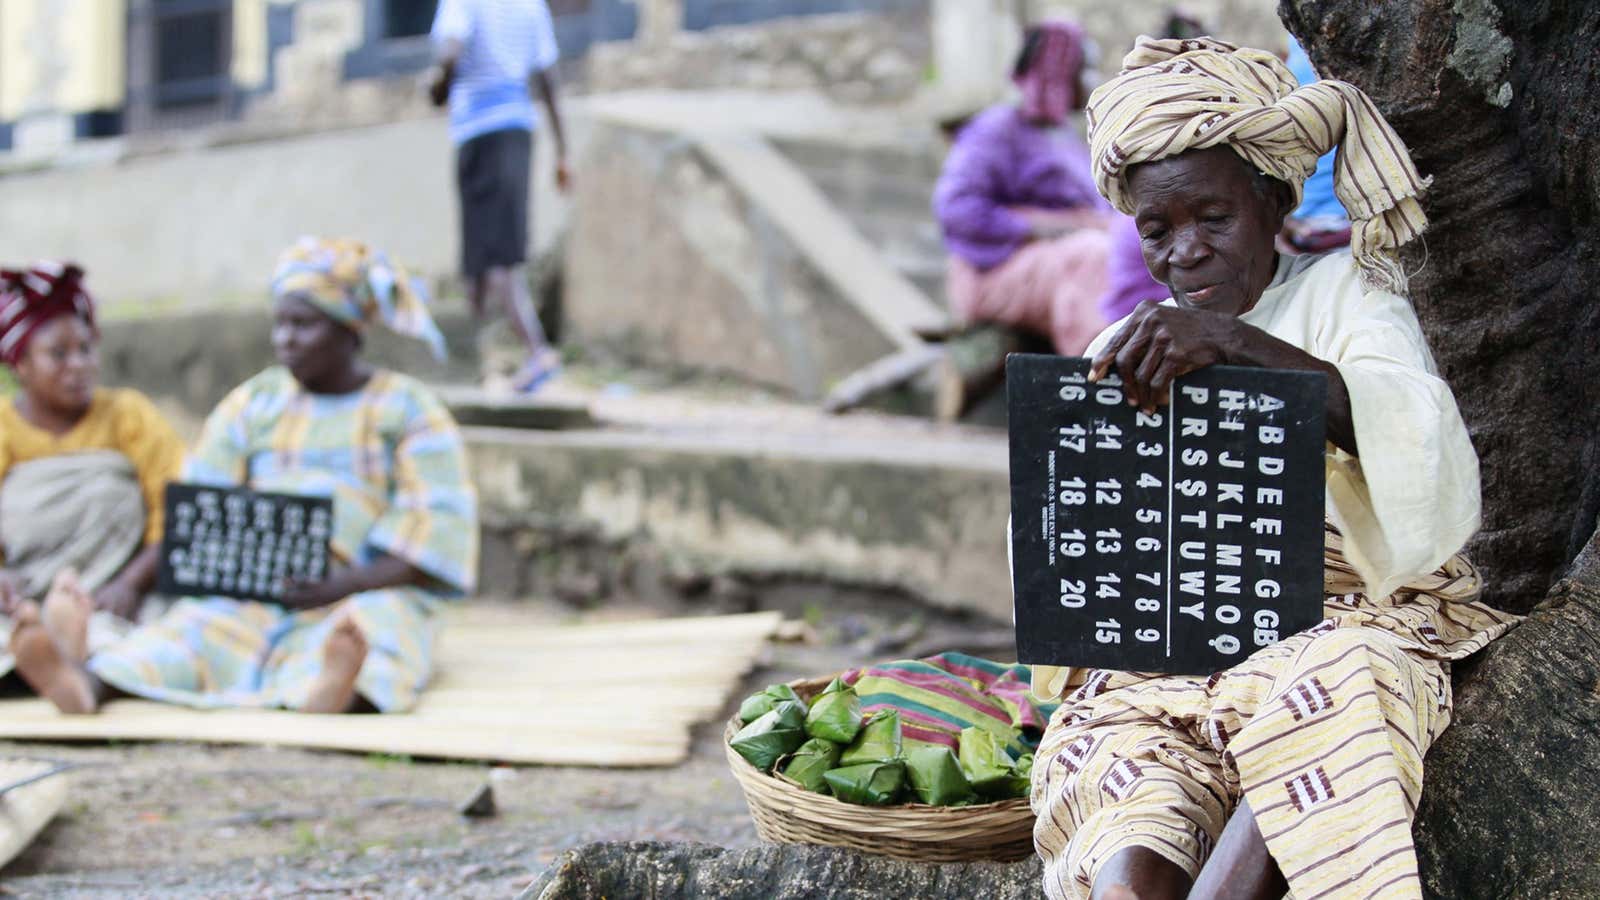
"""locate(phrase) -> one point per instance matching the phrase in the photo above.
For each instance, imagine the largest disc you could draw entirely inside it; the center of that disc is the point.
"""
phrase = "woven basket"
(785, 813)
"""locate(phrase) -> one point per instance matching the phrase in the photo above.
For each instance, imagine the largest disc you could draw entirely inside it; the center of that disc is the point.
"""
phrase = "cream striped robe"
(1324, 733)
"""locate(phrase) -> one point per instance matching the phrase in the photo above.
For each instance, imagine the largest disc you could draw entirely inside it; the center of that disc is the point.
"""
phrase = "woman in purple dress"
(1028, 235)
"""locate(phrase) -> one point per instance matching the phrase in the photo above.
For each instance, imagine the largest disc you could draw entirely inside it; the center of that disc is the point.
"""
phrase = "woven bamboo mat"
(26, 808)
(509, 688)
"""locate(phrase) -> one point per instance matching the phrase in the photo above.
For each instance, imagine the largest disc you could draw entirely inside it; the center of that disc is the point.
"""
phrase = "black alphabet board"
(1179, 542)
(233, 542)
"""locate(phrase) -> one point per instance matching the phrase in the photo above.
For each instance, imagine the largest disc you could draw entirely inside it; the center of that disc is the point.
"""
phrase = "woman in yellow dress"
(82, 468)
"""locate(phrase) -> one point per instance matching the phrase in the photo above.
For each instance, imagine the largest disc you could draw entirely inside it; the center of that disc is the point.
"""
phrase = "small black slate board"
(232, 542)
(1179, 542)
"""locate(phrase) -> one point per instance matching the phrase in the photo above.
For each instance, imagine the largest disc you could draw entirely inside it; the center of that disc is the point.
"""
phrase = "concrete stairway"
(741, 260)
(885, 190)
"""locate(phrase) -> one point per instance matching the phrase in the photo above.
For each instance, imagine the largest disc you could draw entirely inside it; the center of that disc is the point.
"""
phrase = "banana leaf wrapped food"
(987, 764)
(835, 713)
(810, 762)
(878, 740)
(936, 776)
(1020, 784)
(779, 731)
(868, 784)
(760, 703)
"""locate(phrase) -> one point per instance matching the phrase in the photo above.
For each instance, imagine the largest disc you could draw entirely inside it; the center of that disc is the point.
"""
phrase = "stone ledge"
(928, 516)
(192, 360)
(771, 872)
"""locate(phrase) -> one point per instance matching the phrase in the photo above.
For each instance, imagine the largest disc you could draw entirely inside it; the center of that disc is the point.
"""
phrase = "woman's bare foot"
(67, 608)
(41, 663)
(335, 689)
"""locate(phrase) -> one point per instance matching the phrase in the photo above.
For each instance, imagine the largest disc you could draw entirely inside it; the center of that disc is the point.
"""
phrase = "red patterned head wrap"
(29, 298)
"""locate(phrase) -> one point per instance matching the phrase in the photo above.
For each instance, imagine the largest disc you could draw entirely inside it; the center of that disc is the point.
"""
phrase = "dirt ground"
(175, 820)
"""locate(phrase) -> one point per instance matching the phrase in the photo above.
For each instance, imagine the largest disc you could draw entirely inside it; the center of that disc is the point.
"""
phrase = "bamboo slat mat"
(25, 810)
(508, 688)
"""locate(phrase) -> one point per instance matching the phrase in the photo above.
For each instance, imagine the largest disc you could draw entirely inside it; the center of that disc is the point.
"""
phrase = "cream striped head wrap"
(1178, 95)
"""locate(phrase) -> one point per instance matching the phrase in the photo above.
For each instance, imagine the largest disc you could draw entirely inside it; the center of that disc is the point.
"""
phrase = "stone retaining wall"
(856, 58)
(733, 504)
(196, 226)
(647, 512)
(191, 361)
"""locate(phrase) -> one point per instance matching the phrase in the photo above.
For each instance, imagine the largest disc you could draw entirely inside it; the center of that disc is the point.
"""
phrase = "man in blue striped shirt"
(491, 55)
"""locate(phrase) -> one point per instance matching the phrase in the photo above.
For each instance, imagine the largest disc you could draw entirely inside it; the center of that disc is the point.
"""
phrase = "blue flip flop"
(535, 373)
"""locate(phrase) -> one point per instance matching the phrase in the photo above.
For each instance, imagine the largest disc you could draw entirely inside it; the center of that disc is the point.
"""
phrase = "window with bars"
(190, 43)
(180, 65)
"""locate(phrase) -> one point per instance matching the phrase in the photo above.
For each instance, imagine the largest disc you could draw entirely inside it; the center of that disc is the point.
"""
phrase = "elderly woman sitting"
(1299, 769)
(82, 468)
(325, 423)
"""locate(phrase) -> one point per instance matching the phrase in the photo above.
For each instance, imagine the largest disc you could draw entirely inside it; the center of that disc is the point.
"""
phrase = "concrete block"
(329, 25)
(924, 514)
(861, 56)
(735, 263)
(191, 361)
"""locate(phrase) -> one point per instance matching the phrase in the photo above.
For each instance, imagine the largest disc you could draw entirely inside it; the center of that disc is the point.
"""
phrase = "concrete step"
(754, 491)
(474, 406)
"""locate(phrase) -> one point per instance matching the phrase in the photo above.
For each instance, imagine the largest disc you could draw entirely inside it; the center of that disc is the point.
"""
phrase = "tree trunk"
(1501, 105)
(1511, 799)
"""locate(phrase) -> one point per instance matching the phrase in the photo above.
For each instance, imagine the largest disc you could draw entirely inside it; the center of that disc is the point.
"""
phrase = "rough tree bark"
(1501, 105)
(1500, 102)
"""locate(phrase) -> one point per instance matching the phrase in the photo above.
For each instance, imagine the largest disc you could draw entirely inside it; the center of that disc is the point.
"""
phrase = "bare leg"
(506, 288)
(477, 294)
(46, 669)
(1241, 868)
(1139, 873)
(509, 286)
(66, 612)
(335, 689)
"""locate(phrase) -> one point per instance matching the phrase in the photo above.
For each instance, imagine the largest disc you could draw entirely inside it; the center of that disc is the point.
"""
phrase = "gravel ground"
(177, 820)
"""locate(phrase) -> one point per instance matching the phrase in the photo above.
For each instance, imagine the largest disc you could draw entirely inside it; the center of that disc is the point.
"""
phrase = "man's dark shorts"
(492, 176)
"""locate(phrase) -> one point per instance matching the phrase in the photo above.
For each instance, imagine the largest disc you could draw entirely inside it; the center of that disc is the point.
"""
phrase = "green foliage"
(386, 760)
(812, 614)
